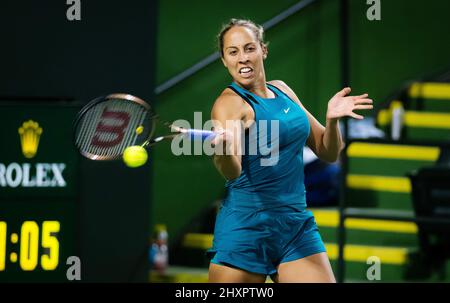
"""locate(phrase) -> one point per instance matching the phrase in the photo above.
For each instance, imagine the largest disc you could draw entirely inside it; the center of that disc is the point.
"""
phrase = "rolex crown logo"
(30, 132)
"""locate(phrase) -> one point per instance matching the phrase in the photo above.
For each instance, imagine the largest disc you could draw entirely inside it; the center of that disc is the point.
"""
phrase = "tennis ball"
(135, 156)
(139, 130)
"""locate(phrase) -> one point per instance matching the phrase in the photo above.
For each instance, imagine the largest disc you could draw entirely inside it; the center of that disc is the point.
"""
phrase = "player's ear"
(265, 51)
(223, 61)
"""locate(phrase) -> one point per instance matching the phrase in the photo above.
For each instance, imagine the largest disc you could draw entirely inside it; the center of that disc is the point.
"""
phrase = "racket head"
(107, 125)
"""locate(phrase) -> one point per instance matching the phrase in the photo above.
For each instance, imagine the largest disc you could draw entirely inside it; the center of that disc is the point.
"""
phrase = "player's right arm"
(226, 115)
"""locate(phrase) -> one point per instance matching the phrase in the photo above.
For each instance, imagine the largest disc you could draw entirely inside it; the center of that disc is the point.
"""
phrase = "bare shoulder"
(228, 103)
(278, 83)
(228, 98)
(285, 88)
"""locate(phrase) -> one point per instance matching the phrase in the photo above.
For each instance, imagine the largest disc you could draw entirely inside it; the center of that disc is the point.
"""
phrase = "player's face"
(243, 55)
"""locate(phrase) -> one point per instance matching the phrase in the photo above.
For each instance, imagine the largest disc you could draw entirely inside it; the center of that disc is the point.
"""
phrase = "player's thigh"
(225, 274)
(312, 269)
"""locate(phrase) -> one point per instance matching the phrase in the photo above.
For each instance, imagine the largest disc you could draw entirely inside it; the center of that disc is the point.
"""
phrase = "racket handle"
(198, 134)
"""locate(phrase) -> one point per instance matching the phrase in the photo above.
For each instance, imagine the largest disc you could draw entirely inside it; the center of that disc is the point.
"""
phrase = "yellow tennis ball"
(135, 156)
(139, 130)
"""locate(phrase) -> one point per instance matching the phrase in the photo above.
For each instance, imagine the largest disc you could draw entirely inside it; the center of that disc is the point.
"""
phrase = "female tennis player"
(263, 227)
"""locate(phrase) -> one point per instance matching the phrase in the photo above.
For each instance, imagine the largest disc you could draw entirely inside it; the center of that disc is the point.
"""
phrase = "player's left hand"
(342, 105)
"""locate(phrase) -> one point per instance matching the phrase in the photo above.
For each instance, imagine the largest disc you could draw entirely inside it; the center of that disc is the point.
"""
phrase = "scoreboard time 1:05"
(26, 245)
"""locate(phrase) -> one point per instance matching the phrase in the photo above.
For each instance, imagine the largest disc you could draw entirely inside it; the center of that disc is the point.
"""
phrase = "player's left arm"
(326, 141)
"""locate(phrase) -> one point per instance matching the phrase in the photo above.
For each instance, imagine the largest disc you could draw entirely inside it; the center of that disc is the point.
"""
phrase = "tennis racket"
(107, 125)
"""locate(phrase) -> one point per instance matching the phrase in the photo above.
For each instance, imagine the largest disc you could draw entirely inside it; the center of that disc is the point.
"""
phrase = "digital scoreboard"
(39, 196)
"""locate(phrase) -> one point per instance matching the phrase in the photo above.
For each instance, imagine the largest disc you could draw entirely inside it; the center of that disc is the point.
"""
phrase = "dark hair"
(258, 30)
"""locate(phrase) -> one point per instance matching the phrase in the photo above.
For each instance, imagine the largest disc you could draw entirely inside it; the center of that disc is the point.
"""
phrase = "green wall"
(410, 41)
(304, 52)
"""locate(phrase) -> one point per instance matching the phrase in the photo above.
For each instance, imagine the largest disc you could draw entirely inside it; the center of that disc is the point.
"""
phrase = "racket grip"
(198, 134)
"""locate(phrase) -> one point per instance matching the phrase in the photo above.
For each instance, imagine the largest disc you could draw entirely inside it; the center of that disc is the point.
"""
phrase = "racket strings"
(97, 141)
(129, 137)
(88, 128)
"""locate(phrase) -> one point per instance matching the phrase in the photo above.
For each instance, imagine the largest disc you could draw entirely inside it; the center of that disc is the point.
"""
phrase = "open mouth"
(245, 71)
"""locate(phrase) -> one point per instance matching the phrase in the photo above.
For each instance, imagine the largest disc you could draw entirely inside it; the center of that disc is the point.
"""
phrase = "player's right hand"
(223, 142)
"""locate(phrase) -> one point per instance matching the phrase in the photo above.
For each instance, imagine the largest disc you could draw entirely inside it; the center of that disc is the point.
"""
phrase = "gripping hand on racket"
(107, 126)
(223, 142)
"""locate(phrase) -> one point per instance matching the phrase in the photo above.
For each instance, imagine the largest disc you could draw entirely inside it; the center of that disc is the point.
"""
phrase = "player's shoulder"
(281, 85)
(228, 99)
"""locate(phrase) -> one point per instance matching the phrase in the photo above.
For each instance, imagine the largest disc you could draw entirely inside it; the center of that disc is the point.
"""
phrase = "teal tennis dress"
(263, 219)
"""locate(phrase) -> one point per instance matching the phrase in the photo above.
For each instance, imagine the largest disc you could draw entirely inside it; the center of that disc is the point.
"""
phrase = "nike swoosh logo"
(286, 110)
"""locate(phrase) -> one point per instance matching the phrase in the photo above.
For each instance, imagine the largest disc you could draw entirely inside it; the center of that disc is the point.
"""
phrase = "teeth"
(245, 70)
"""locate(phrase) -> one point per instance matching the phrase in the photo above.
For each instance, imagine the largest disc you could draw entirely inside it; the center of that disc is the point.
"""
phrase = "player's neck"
(260, 88)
